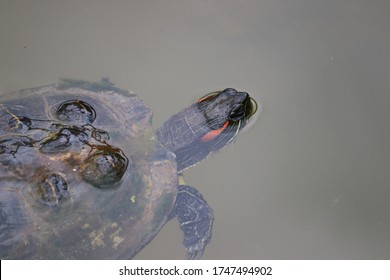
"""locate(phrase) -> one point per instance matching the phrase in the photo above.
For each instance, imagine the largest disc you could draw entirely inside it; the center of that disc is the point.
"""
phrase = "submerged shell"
(81, 175)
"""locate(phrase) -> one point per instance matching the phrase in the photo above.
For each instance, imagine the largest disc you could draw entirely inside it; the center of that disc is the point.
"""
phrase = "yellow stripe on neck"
(181, 180)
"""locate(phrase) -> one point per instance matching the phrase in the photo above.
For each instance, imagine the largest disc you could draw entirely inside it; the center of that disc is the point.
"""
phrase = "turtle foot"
(196, 220)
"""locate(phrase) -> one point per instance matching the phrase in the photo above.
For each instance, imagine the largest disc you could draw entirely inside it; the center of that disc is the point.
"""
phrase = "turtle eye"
(237, 113)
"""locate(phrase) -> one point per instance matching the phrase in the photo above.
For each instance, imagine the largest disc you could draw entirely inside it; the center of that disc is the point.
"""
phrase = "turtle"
(83, 175)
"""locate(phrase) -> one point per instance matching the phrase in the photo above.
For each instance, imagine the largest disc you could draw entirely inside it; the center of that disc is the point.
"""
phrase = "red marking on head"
(200, 100)
(208, 96)
(214, 133)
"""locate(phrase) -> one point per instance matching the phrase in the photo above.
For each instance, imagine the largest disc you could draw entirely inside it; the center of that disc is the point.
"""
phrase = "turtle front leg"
(196, 220)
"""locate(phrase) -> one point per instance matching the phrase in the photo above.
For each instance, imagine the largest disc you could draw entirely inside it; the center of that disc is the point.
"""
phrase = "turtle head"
(225, 113)
(206, 126)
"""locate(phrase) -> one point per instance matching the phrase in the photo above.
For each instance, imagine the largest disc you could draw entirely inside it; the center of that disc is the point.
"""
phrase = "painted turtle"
(83, 175)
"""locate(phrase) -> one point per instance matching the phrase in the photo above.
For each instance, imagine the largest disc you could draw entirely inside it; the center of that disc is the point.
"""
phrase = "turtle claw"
(196, 220)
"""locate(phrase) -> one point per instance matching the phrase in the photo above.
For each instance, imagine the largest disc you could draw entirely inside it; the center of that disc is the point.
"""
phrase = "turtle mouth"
(240, 115)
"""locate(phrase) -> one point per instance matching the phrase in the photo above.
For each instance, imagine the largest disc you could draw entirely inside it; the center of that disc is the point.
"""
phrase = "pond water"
(310, 178)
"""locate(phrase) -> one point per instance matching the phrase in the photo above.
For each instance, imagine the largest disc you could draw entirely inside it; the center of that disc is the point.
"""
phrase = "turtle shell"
(81, 174)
